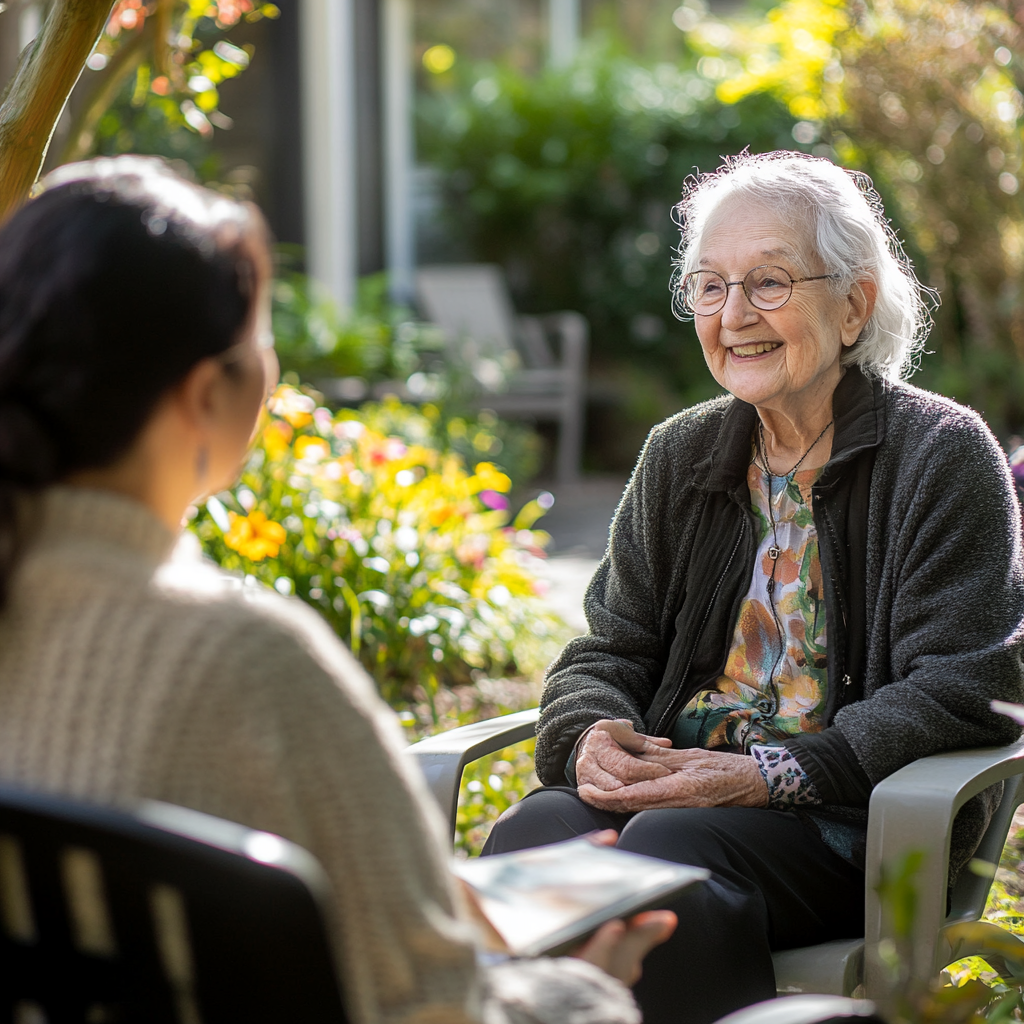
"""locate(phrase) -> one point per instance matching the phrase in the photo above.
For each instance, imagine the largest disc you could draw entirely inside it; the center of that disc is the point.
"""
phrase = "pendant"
(773, 553)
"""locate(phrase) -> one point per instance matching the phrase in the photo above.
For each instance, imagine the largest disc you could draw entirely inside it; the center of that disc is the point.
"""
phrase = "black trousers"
(774, 885)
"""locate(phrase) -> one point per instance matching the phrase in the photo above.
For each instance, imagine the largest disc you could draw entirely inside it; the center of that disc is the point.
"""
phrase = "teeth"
(756, 348)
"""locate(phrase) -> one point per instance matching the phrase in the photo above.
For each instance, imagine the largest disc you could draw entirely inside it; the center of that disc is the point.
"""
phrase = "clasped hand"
(618, 769)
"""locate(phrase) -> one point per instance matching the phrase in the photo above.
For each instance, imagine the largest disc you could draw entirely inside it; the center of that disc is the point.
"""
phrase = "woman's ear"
(200, 396)
(859, 305)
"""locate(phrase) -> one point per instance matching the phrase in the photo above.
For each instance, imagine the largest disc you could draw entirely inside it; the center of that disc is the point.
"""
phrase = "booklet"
(539, 901)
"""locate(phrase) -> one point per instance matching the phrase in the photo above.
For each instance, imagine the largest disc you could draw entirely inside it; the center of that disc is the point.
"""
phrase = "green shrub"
(568, 178)
(378, 343)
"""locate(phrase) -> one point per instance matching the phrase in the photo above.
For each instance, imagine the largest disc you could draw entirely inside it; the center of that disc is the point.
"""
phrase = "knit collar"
(80, 513)
(859, 410)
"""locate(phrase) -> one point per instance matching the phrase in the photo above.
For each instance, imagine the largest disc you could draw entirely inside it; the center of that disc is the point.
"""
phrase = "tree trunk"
(46, 74)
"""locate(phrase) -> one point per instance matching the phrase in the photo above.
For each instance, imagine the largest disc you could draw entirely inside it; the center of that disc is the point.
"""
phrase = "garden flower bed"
(414, 557)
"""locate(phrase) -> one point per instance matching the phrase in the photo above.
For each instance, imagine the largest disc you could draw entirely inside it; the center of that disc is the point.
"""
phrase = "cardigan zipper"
(672, 709)
(843, 692)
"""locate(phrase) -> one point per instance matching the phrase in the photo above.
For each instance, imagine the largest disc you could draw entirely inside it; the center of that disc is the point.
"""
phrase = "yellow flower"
(255, 536)
(277, 435)
(489, 478)
(311, 449)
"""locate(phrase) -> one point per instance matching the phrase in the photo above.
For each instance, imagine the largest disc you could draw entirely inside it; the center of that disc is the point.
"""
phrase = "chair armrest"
(442, 758)
(805, 1009)
(913, 809)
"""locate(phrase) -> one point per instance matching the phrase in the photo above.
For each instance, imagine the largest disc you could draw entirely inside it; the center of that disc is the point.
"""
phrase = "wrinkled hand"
(619, 947)
(610, 756)
(691, 778)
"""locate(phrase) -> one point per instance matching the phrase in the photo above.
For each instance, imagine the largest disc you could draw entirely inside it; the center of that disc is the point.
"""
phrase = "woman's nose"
(738, 310)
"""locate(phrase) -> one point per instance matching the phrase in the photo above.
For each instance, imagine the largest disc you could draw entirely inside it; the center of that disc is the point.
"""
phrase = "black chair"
(164, 916)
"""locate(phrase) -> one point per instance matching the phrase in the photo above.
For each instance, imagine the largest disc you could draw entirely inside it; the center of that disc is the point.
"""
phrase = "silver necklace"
(771, 704)
(799, 462)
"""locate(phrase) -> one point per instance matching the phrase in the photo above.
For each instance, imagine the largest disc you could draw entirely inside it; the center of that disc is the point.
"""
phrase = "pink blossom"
(492, 499)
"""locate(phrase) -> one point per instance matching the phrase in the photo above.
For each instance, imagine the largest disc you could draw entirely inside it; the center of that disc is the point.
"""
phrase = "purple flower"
(492, 499)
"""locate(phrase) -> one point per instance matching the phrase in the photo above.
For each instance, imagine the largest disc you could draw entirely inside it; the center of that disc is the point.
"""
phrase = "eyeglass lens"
(705, 291)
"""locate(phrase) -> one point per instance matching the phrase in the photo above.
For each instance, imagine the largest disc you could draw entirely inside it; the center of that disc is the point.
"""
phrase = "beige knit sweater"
(126, 674)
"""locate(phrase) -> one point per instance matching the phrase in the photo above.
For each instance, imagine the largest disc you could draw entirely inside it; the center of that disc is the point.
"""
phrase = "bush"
(413, 558)
(568, 179)
(375, 342)
(378, 344)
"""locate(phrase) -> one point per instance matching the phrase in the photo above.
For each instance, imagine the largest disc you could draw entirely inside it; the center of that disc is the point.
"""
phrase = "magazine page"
(538, 900)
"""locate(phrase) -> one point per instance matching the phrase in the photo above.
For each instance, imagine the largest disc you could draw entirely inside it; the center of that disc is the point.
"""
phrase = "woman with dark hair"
(135, 355)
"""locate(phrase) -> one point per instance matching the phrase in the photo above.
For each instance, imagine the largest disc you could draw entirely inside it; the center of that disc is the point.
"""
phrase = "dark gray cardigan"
(941, 628)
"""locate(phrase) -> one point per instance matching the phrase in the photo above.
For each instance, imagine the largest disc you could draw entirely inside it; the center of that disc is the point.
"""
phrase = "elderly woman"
(809, 583)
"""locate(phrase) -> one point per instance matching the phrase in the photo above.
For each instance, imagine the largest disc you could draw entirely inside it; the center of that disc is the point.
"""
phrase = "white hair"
(852, 237)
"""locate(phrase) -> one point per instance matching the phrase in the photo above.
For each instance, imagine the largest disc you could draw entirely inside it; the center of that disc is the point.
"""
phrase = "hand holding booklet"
(539, 901)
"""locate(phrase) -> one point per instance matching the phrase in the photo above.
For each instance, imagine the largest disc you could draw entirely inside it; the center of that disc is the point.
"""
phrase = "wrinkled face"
(777, 358)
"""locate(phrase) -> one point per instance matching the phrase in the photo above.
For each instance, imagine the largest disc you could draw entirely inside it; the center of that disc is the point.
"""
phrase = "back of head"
(846, 224)
(114, 282)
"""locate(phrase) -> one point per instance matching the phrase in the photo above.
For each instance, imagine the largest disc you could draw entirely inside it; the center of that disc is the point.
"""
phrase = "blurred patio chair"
(165, 916)
(525, 366)
(912, 810)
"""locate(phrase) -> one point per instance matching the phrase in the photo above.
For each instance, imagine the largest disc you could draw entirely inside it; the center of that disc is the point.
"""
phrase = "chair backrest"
(469, 301)
(970, 894)
(165, 916)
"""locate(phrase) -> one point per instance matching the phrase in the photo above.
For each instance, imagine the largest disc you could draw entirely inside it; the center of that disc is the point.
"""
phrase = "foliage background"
(567, 177)
(152, 83)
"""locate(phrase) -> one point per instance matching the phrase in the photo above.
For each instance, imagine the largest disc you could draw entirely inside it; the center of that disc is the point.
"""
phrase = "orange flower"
(255, 536)
(127, 14)
(228, 12)
(438, 515)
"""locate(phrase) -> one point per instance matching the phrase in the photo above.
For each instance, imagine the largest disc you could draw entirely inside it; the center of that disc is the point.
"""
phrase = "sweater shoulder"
(915, 414)
(689, 435)
(259, 627)
(932, 443)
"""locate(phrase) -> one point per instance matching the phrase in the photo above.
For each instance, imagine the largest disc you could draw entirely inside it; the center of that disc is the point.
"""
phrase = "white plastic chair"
(518, 373)
(913, 809)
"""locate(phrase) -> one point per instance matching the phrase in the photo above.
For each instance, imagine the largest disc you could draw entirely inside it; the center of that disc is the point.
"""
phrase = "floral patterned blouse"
(775, 681)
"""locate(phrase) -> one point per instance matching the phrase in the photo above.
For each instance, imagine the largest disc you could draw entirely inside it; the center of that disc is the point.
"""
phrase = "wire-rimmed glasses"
(705, 291)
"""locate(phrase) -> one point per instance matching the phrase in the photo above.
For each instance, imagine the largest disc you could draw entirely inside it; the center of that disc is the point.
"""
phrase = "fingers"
(672, 791)
(612, 769)
(599, 949)
(643, 933)
(606, 837)
(658, 741)
(601, 754)
(621, 731)
(590, 772)
(619, 948)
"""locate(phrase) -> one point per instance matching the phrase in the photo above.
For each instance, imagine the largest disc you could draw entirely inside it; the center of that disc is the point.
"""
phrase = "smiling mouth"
(756, 348)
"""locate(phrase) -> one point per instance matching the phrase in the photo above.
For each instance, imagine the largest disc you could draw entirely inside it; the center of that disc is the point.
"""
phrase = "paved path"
(578, 524)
